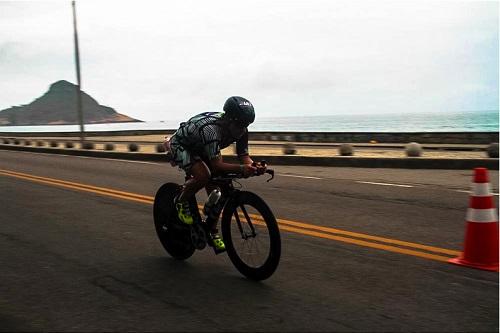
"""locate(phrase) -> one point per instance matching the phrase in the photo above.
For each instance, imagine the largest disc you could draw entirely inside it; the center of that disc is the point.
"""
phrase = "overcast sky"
(156, 60)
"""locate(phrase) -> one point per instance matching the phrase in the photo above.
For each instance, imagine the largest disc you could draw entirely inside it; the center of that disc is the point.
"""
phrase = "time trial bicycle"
(249, 229)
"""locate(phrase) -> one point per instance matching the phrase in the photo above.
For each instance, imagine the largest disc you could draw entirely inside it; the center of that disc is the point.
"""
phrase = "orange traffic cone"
(481, 232)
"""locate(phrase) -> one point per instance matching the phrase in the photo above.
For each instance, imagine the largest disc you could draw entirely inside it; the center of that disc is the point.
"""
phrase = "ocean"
(471, 121)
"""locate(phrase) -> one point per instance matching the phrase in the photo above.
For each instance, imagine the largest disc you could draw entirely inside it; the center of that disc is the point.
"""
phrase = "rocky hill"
(58, 106)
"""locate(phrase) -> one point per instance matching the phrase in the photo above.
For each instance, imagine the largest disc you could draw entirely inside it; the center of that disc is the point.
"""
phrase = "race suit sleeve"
(242, 145)
(211, 143)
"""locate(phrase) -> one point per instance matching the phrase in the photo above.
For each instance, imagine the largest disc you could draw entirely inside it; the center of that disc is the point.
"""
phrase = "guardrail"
(284, 144)
(411, 161)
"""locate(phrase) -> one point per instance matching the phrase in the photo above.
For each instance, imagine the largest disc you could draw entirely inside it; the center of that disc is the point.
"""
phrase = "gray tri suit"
(202, 138)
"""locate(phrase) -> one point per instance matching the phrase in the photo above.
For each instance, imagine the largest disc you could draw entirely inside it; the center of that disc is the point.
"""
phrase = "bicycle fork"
(244, 235)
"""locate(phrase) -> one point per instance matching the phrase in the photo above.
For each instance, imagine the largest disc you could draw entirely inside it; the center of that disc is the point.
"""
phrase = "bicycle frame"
(228, 192)
(225, 184)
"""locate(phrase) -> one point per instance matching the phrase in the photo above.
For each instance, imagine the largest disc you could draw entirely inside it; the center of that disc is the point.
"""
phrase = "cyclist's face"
(236, 129)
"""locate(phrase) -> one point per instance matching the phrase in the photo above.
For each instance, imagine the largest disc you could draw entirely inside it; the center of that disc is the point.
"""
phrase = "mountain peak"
(58, 106)
(62, 85)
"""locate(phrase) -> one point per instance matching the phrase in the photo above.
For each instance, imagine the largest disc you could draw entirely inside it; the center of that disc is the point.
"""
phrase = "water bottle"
(211, 203)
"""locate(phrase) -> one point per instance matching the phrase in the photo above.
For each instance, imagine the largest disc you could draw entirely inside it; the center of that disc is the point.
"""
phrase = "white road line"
(384, 184)
(297, 176)
(90, 157)
(469, 192)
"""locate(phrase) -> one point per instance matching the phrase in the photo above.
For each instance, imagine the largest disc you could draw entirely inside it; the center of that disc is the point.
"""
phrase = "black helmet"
(240, 110)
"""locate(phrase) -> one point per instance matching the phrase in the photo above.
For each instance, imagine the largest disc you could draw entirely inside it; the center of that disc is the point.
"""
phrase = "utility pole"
(79, 87)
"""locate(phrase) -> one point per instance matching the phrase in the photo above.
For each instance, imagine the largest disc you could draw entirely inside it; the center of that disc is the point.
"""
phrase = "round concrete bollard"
(40, 143)
(17, 142)
(289, 149)
(54, 144)
(88, 145)
(493, 150)
(133, 147)
(27, 143)
(6, 141)
(346, 149)
(69, 145)
(109, 146)
(160, 148)
(414, 149)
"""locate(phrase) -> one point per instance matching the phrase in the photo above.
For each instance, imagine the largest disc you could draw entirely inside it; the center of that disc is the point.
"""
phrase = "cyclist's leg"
(209, 188)
(194, 166)
(217, 241)
(200, 177)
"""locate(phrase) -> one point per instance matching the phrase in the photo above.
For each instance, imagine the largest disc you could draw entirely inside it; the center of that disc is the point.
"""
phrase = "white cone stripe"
(481, 189)
(461, 191)
(481, 215)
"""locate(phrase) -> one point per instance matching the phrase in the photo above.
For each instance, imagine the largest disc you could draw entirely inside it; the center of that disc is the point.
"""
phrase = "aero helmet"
(240, 110)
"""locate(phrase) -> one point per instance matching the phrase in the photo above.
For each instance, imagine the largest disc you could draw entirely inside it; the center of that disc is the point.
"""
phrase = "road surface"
(363, 250)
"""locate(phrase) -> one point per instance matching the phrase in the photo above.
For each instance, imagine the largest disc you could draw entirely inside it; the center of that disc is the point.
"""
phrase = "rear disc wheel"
(175, 237)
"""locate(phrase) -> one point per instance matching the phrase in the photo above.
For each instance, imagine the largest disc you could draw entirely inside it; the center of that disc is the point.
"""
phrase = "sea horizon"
(463, 121)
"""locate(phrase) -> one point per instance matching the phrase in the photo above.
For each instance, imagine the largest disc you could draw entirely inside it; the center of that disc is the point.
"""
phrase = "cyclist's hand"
(261, 167)
(248, 170)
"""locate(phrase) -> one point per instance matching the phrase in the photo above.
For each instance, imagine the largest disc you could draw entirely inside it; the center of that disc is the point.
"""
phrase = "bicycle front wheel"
(251, 236)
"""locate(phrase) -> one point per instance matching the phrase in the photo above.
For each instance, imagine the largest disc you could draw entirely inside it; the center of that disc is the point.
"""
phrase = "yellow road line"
(306, 230)
(362, 236)
(81, 187)
(388, 248)
(291, 226)
(367, 244)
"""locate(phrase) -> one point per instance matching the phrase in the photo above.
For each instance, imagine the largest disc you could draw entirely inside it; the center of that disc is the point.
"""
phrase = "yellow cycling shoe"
(217, 242)
(183, 212)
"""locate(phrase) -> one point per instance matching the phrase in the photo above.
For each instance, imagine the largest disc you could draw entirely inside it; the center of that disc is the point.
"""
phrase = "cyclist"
(196, 148)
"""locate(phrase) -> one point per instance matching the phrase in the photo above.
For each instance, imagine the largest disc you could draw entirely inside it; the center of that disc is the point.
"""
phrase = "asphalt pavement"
(369, 255)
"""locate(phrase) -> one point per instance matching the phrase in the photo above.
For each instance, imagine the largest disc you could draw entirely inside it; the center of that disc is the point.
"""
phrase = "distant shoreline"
(394, 123)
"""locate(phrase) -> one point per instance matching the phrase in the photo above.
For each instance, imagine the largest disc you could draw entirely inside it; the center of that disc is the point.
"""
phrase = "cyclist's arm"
(245, 159)
(242, 144)
(213, 154)
(218, 165)
(242, 149)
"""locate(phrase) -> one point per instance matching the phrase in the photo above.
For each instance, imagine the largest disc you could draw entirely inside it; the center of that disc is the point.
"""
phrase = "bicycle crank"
(198, 236)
